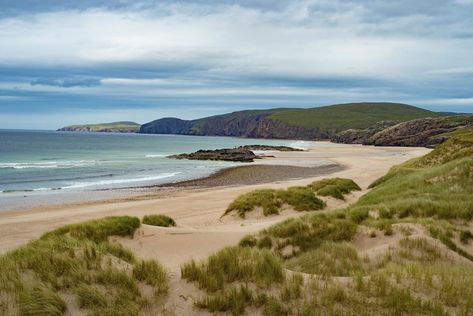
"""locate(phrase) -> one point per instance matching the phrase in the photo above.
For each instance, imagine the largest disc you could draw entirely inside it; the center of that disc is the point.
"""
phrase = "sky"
(66, 62)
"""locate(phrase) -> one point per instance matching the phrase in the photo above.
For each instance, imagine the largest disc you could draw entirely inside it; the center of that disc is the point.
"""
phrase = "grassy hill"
(116, 127)
(313, 123)
(350, 115)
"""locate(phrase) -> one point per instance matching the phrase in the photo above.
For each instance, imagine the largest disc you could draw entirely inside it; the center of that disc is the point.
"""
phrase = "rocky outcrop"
(421, 132)
(361, 136)
(235, 154)
(426, 132)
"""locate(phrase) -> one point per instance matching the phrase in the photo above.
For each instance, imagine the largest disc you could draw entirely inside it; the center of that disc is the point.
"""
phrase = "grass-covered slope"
(115, 127)
(405, 248)
(351, 115)
(314, 123)
(76, 270)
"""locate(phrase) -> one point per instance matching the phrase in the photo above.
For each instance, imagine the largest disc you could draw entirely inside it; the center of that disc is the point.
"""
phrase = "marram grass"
(428, 274)
(77, 261)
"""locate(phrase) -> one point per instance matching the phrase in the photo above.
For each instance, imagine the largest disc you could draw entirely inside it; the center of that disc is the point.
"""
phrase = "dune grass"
(334, 187)
(235, 264)
(78, 261)
(300, 198)
(418, 275)
(271, 201)
(308, 232)
(438, 185)
(158, 220)
(330, 259)
(267, 199)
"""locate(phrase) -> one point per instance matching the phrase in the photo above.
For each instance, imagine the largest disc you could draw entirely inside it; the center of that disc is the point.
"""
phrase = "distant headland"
(369, 123)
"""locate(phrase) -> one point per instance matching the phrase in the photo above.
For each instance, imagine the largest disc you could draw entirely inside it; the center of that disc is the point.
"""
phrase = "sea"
(53, 162)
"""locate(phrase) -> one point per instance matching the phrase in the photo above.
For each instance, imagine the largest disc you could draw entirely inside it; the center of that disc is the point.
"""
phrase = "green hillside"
(350, 115)
(314, 123)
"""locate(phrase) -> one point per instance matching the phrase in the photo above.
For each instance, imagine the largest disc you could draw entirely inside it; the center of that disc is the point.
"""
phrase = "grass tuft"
(235, 264)
(100, 230)
(330, 259)
(334, 187)
(158, 220)
(271, 201)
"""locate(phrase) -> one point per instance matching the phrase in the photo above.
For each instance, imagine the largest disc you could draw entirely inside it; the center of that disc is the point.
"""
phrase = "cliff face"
(169, 125)
(238, 124)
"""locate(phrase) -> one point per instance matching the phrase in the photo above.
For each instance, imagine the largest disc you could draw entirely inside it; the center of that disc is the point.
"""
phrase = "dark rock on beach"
(235, 154)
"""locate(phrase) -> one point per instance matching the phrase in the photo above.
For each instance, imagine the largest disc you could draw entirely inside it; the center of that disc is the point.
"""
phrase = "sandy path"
(200, 230)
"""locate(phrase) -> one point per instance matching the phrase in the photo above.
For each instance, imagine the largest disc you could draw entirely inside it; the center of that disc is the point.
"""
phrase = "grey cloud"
(66, 83)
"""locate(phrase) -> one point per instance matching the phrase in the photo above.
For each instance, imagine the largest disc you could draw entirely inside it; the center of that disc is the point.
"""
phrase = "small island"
(239, 154)
(114, 127)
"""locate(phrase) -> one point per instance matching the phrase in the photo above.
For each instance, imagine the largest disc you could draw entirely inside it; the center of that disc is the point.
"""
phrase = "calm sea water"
(49, 161)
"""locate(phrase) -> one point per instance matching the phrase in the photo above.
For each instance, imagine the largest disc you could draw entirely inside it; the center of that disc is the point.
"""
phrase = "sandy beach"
(197, 209)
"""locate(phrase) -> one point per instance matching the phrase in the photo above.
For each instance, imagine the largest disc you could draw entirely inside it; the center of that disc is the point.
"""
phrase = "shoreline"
(253, 174)
(257, 173)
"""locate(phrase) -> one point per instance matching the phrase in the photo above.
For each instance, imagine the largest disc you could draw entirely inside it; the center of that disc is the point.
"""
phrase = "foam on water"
(79, 185)
(47, 164)
(300, 144)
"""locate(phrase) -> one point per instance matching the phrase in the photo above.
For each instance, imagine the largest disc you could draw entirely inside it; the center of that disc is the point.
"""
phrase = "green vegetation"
(427, 272)
(232, 264)
(308, 232)
(271, 201)
(335, 187)
(267, 199)
(78, 263)
(299, 198)
(124, 127)
(312, 123)
(438, 185)
(330, 259)
(353, 115)
(158, 220)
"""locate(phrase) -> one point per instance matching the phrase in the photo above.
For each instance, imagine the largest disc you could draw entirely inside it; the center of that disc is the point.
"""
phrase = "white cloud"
(299, 53)
(302, 40)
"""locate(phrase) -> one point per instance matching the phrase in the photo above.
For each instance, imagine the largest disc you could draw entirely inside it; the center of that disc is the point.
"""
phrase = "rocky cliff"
(426, 132)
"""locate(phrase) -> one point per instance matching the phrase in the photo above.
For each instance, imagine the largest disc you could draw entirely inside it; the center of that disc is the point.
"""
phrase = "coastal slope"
(314, 123)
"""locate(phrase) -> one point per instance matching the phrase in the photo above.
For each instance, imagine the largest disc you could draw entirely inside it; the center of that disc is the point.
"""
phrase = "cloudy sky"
(69, 61)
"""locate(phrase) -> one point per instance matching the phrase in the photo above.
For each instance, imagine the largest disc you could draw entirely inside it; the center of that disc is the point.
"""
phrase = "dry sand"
(201, 230)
